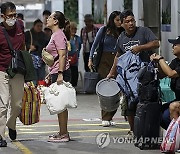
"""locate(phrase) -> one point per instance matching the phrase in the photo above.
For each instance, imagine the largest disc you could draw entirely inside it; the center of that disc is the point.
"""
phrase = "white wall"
(166, 47)
(138, 12)
(113, 5)
(85, 7)
(57, 5)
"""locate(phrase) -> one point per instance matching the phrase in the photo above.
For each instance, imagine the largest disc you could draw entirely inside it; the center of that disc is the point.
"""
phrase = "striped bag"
(171, 141)
(31, 104)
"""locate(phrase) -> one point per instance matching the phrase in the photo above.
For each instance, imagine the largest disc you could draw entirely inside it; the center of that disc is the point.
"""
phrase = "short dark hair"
(21, 16)
(46, 12)
(37, 21)
(125, 14)
(88, 17)
(7, 5)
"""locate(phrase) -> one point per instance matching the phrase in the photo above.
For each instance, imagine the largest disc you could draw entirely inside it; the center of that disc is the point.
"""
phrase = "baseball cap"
(175, 41)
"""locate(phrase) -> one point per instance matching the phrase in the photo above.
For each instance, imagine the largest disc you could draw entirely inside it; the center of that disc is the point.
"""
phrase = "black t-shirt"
(175, 82)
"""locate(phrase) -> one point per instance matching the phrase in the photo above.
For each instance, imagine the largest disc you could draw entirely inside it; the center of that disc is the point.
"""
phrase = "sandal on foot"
(57, 138)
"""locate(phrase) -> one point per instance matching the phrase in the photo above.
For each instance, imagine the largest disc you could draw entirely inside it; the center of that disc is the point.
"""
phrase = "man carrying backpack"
(138, 40)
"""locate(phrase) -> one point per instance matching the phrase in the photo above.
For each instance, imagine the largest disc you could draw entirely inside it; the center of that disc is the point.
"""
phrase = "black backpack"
(148, 84)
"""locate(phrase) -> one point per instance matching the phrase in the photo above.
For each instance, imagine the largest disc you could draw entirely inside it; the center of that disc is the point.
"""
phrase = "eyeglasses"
(14, 15)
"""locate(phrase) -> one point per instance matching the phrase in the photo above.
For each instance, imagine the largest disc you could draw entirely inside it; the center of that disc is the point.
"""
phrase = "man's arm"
(146, 47)
(113, 71)
(167, 70)
(164, 66)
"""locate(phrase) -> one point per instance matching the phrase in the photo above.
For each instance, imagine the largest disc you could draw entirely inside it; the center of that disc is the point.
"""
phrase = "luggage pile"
(147, 118)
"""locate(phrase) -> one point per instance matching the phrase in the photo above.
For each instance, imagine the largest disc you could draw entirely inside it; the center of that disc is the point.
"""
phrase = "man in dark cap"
(172, 70)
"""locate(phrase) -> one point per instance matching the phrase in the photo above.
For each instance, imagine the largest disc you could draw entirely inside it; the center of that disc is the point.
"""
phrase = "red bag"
(171, 142)
(73, 59)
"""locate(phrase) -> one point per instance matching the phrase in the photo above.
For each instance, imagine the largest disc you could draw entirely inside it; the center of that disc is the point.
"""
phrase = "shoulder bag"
(48, 58)
(17, 62)
(99, 50)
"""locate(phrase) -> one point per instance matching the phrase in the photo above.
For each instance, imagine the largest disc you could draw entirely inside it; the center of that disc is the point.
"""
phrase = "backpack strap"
(103, 35)
(127, 83)
(9, 42)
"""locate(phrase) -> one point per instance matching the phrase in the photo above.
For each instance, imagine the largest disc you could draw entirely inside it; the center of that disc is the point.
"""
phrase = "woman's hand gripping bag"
(59, 97)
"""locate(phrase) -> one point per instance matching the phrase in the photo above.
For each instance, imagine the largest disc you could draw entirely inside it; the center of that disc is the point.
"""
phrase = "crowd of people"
(54, 33)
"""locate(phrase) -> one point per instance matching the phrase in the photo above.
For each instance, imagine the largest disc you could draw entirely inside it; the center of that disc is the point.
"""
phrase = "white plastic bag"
(59, 97)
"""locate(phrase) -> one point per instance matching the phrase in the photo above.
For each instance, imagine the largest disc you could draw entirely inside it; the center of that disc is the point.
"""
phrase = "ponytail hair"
(63, 23)
(67, 31)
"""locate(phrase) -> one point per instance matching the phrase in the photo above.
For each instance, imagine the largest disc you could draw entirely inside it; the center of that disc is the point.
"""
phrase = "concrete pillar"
(175, 18)
(113, 5)
(152, 16)
(47, 5)
(57, 5)
(85, 7)
(166, 47)
(99, 10)
(175, 31)
(138, 12)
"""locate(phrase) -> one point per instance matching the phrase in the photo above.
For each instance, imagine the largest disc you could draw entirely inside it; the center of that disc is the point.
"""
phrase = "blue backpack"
(128, 67)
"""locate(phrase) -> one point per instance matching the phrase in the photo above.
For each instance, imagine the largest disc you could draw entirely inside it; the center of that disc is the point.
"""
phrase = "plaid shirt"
(84, 36)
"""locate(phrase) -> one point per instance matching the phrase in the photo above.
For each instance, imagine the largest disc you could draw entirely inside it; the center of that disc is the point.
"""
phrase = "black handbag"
(17, 64)
(99, 50)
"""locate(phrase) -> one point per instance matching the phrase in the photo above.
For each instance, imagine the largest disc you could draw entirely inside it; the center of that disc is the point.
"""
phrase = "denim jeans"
(165, 119)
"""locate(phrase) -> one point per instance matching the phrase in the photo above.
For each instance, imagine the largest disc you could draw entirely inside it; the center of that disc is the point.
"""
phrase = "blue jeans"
(165, 121)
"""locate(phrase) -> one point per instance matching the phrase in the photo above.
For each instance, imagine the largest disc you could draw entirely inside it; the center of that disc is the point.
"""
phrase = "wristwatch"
(160, 58)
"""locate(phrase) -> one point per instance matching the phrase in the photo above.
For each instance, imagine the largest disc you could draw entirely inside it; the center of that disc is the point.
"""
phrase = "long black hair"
(63, 23)
(111, 27)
